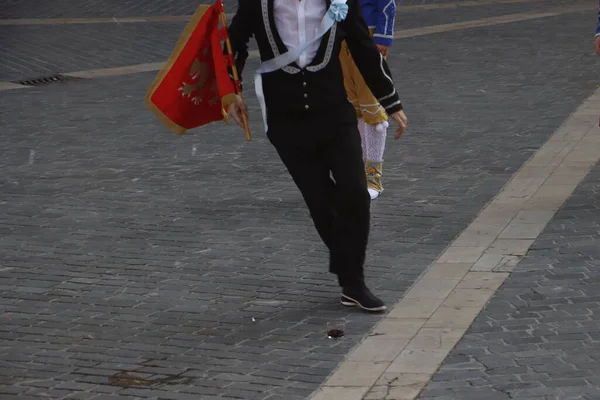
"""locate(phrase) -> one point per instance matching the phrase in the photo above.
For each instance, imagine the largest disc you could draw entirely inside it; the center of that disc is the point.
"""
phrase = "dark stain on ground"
(126, 379)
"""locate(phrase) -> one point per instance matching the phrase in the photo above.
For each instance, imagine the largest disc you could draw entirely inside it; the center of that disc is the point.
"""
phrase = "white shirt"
(298, 21)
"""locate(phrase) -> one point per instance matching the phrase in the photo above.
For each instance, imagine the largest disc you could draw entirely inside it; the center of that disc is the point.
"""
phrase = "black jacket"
(318, 88)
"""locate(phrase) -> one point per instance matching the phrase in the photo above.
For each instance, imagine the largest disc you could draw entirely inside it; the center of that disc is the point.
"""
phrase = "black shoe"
(363, 298)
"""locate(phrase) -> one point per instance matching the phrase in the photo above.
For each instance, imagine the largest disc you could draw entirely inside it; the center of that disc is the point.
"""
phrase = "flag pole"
(236, 77)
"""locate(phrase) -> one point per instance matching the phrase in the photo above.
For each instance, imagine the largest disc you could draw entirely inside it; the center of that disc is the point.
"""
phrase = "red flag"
(188, 91)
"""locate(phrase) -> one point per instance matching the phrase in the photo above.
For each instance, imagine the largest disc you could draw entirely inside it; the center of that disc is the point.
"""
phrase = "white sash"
(337, 12)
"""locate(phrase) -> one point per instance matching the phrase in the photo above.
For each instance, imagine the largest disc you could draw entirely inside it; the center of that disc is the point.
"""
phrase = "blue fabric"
(598, 22)
(381, 16)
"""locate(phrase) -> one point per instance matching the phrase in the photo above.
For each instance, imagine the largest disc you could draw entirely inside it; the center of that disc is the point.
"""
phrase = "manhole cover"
(45, 80)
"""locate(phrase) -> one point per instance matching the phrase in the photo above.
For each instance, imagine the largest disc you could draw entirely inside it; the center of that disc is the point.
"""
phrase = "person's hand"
(237, 108)
(383, 49)
(401, 120)
(597, 45)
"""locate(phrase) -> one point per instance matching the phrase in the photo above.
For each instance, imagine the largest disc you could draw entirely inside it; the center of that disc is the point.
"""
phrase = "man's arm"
(597, 37)
(369, 61)
(384, 30)
(598, 23)
(240, 31)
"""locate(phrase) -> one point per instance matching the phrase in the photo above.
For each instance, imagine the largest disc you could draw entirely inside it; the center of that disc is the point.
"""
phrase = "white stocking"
(361, 129)
(374, 141)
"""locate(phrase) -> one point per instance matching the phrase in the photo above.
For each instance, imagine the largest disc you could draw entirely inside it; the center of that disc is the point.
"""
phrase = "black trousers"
(340, 208)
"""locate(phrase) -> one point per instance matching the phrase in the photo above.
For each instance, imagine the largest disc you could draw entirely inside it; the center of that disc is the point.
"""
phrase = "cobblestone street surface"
(30, 51)
(539, 337)
(119, 8)
(191, 261)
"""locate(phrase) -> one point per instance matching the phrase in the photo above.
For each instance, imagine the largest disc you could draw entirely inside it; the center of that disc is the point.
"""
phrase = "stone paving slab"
(538, 337)
(122, 248)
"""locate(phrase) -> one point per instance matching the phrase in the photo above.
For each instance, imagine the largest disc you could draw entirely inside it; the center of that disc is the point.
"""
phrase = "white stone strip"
(459, 4)
(171, 18)
(116, 71)
(397, 359)
(504, 19)
(10, 86)
(147, 67)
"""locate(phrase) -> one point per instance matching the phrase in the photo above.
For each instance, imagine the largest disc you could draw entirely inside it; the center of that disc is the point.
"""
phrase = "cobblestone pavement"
(125, 248)
(31, 51)
(539, 336)
(119, 8)
(38, 50)
(411, 19)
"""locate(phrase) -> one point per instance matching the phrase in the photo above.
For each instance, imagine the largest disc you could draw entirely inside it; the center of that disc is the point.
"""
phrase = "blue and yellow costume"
(380, 16)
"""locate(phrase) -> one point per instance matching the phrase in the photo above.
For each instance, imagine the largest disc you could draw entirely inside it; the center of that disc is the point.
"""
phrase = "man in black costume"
(311, 123)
